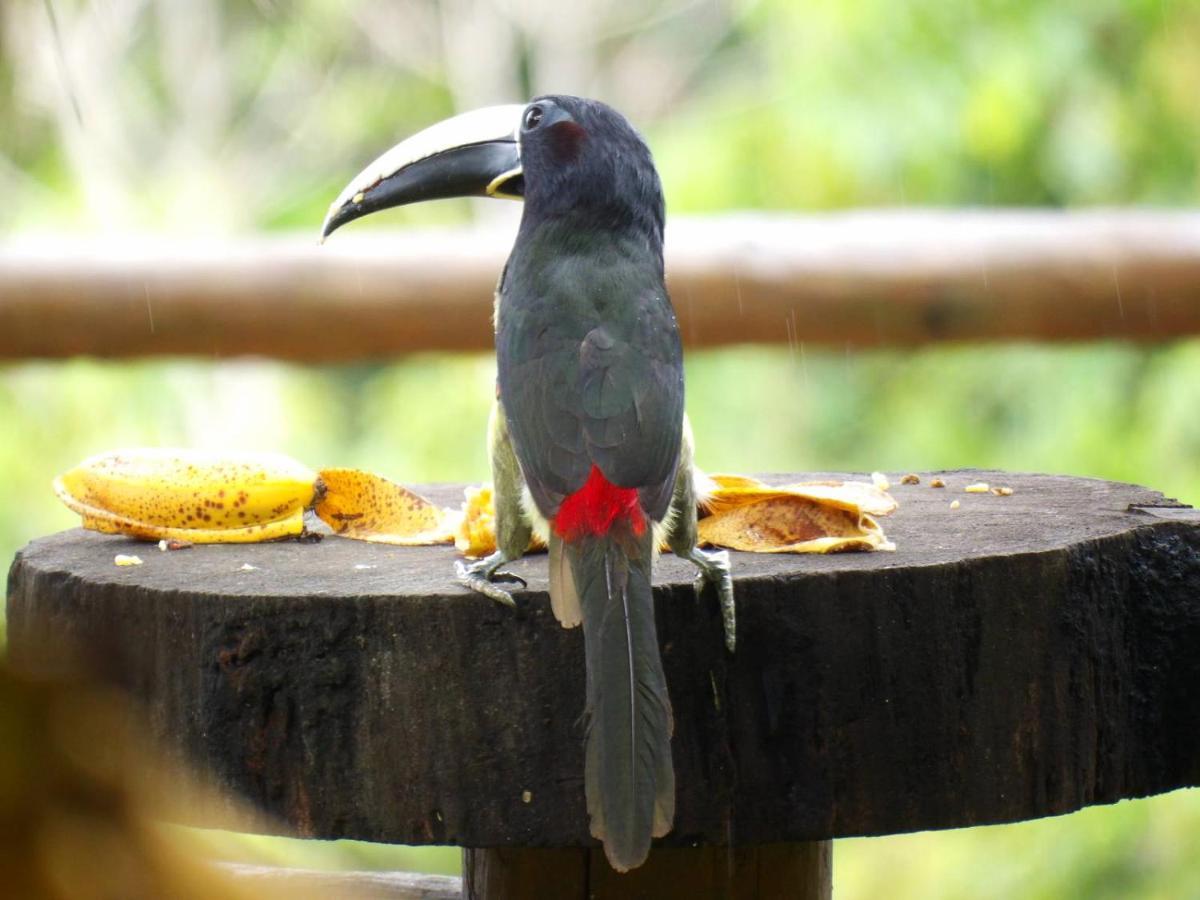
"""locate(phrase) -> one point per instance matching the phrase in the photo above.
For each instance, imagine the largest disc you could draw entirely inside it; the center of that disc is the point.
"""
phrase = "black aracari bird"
(589, 443)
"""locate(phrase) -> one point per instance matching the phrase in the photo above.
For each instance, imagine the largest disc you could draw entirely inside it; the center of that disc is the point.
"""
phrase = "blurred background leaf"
(192, 117)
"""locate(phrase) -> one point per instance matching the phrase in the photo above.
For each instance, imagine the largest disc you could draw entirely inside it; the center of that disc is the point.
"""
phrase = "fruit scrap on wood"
(180, 497)
(368, 507)
(190, 496)
(810, 517)
(744, 514)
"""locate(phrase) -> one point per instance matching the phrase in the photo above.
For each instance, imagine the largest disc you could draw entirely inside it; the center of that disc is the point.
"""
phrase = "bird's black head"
(567, 157)
(582, 159)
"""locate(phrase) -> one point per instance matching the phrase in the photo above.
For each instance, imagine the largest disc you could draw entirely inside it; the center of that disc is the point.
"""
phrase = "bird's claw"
(715, 570)
(481, 576)
(510, 576)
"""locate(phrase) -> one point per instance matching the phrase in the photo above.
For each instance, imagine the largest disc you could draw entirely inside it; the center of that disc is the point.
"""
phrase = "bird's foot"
(481, 576)
(714, 569)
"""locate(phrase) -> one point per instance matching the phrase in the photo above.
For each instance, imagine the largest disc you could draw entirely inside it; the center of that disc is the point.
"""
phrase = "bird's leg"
(682, 536)
(481, 576)
(512, 527)
(714, 569)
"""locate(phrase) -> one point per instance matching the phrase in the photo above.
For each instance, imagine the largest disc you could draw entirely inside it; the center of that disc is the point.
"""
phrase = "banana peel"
(743, 513)
(810, 517)
(368, 507)
(199, 497)
(215, 498)
(190, 495)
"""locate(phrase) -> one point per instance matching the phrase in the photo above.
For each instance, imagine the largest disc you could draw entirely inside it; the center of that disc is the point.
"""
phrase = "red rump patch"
(594, 508)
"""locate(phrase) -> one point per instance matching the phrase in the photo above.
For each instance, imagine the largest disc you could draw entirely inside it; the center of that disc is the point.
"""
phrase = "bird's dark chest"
(577, 305)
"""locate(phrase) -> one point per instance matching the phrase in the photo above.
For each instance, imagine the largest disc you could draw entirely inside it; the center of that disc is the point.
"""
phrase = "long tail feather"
(629, 780)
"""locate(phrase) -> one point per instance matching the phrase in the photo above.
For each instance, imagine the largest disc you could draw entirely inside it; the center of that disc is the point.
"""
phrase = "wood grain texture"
(1018, 657)
(865, 279)
(800, 871)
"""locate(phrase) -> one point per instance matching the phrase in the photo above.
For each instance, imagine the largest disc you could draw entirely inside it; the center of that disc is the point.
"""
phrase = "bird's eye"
(533, 117)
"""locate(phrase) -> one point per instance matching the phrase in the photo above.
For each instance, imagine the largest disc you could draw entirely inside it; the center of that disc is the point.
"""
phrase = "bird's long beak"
(475, 154)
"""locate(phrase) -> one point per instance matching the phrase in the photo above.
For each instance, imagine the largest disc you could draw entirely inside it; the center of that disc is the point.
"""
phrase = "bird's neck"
(595, 233)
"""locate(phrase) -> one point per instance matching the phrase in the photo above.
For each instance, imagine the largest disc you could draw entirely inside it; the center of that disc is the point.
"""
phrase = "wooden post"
(801, 871)
(1020, 656)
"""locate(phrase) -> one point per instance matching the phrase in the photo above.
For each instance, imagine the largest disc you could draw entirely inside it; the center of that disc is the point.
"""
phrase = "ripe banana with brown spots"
(209, 498)
(191, 495)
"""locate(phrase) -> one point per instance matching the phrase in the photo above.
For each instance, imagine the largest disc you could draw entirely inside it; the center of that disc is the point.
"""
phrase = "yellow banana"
(191, 495)
(368, 507)
(209, 498)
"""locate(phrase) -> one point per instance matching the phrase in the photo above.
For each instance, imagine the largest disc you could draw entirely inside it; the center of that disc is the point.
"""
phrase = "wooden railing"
(864, 279)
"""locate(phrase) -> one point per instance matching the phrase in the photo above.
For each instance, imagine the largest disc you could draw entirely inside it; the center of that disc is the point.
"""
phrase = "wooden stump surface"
(1018, 657)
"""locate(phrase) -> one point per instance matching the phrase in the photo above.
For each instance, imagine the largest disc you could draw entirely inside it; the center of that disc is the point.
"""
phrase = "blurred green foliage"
(203, 116)
(1136, 849)
(872, 102)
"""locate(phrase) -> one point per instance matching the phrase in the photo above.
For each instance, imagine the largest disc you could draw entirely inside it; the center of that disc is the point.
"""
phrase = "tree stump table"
(1017, 657)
